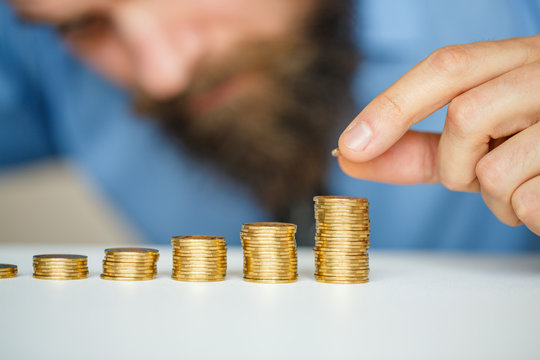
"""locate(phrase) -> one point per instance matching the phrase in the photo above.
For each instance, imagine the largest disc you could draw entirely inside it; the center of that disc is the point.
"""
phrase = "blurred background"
(130, 122)
(51, 202)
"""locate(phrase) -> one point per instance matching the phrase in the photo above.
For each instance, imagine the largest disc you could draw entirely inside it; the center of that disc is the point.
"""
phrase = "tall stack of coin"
(8, 271)
(269, 252)
(60, 267)
(130, 264)
(199, 258)
(341, 239)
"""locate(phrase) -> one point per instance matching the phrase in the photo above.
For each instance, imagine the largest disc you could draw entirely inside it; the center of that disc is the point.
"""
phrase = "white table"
(417, 306)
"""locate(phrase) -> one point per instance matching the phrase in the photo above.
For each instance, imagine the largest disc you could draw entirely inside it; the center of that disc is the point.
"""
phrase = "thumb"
(411, 160)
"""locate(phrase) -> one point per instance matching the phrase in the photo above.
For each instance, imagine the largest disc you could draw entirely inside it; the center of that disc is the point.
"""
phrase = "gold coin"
(271, 281)
(8, 267)
(196, 262)
(346, 211)
(199, 268)
(129, 272)
(197, 279)
(200, 273)
(132, 250)
(334, 270)
(59, 262)
(342, 278)
(129, 278)
(58, 270)
(362, 229)
(251, 262)
(343, 275)
(200, 247)
(8, 275)
(354, 208)
(60, 277)
(337, 281)
(267, 236)
(133, 265)
(198, 238)
(59, 267)
(258, 225)
(341, 215)
(140, 270)
(341, 250)
(269, 266)
(200, 261)
(52, 263)
(339, 198)
(270, 250)
(8, 271)
(200, 254)
(60, 257)
(341, 266)
(349, 255)
(45, 270)
(132, 257)
(271, 276)
(130, 263)
(336, 265)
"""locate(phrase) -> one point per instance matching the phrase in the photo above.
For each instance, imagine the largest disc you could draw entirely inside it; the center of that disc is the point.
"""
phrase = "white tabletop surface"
(417, 306)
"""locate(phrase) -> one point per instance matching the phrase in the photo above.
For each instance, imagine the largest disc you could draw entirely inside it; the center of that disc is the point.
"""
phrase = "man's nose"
(164, 56)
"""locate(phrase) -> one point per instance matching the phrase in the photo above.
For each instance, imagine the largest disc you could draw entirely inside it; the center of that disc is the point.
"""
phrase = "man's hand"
(491, 138)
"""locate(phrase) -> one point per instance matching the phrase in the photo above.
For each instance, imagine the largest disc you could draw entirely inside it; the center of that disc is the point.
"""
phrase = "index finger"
(429, 86)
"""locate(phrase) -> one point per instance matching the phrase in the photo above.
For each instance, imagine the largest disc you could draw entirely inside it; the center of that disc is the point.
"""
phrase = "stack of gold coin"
(199, 258)
(130, 264)
(269, 252)
(341, 239)
(60, 267)
(8, 271)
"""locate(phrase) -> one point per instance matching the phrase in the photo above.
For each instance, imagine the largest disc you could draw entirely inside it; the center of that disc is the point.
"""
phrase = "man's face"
(164, 48)
(256, 87)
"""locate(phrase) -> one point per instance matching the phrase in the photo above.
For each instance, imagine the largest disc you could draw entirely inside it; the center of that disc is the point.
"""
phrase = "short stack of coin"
(8, 271)
(199, 258)
(269, 252)
(60, 267)
(341, 239)
(130, 264)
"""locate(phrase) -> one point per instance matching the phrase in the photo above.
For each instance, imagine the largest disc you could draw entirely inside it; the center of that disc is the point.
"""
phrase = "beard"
(275, 139)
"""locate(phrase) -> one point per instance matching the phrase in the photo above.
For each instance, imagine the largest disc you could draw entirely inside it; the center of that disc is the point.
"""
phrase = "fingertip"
(354, 141)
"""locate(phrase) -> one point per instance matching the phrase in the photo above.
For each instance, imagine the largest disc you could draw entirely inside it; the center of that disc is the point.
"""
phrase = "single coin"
(8, 267)
(198, 280)
(271, 281)
(119, 278)
(134, 250)
(60, 277)
(197, 237)
(337, 281)
(61, 256)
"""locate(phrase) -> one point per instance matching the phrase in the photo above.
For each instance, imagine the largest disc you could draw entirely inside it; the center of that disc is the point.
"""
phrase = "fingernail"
(357, 136)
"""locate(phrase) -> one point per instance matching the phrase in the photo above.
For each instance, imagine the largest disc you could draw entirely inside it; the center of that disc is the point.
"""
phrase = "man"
(181, 60)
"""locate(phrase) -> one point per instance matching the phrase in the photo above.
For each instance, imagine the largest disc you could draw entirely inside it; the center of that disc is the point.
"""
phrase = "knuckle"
(393, 103)
(489, 173)
(526, 205)
(452, 59)
(462, 115)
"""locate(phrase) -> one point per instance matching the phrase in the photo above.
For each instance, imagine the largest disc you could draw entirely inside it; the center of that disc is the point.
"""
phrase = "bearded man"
(209, 114)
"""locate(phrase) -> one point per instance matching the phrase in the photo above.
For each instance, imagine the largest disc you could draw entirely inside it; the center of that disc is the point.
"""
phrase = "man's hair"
(279, 147)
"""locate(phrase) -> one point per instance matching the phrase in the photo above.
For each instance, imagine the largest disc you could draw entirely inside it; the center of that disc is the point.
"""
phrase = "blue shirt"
(51, 105)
